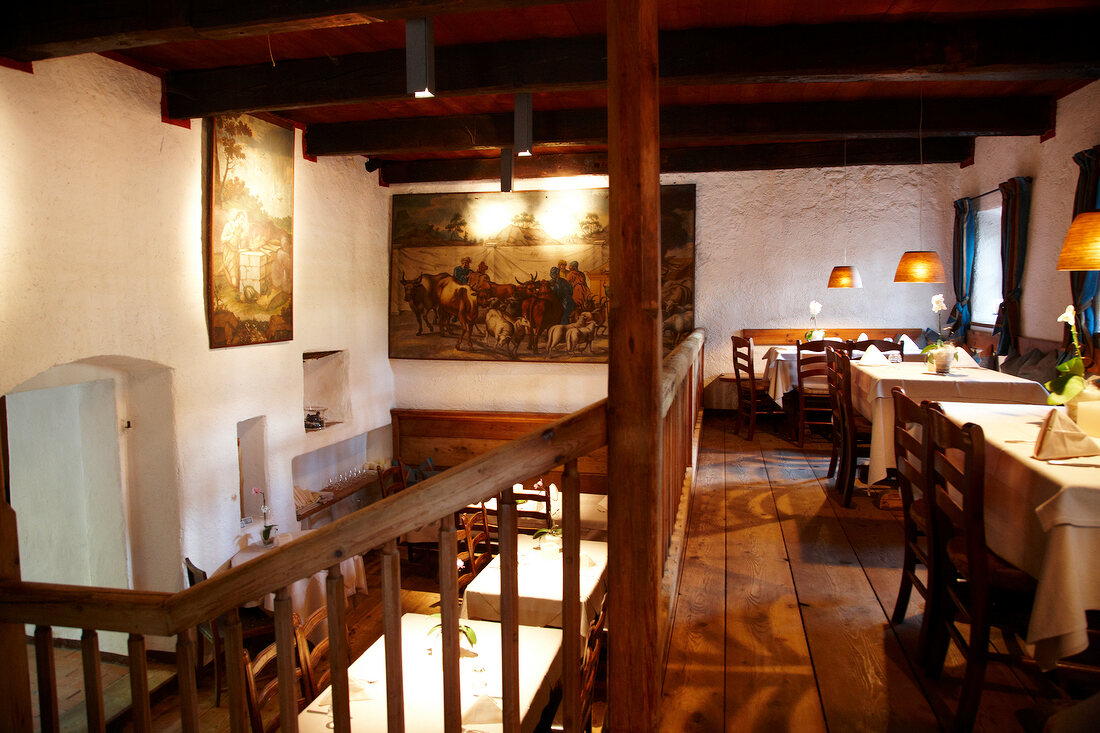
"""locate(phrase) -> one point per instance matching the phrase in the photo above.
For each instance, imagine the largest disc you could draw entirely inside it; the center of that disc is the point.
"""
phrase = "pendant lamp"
(845, 276)
(1081, 250)
(920, 266)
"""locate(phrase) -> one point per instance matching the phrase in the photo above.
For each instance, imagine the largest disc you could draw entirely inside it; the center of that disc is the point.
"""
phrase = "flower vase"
(267, 541)
(1090, 393)
(942, 359)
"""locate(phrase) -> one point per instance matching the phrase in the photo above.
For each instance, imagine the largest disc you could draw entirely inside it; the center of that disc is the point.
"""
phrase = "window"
(985, 298)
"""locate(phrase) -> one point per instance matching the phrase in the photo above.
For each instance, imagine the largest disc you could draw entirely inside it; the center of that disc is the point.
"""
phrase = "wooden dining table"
(871, 387)
(540, 584)
(422, 674)
(1043, 517)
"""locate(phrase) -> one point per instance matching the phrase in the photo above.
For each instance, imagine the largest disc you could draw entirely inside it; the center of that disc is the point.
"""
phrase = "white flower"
(1068, 316)
(815, 307)
(937, 303)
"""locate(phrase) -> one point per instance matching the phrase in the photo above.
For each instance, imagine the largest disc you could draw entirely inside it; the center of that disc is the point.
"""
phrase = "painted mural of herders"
(579, 282)
(564, 292)
(462, 271)
(477, 280)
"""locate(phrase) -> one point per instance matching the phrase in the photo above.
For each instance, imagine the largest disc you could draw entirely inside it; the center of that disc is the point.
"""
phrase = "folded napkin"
(863, 337)
(908, 345)
(873, 357)
(485, 710)
(602, 505)
(586, 561)
(304, 498)
(963, 358)
(358, 691)
(1061, 438)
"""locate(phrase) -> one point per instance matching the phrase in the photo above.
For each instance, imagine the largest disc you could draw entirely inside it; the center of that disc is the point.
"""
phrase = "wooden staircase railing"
(145, 613)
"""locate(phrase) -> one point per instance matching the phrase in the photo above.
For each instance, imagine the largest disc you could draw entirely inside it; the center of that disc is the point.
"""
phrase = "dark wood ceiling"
(745, 84)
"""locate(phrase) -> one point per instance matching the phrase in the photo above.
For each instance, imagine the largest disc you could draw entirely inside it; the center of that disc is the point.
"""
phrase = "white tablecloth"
(593, 520)
(306, 594)
(781, 369)
(1044, 518)
(480, 675)
(871, 396)
(540, 584)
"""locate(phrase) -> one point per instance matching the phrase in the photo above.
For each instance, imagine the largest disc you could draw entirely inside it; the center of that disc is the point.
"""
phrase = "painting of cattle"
(249, 240)
(522, 276)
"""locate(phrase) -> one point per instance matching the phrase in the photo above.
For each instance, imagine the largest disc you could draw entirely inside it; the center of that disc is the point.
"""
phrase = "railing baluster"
(448, 617)
(141, 716)
(338, 650)
(287, 661)
(47, 679)
(571, 595)
(185, 673)
(93, 680)
(391, 624)
(234, 671)
(509, 610)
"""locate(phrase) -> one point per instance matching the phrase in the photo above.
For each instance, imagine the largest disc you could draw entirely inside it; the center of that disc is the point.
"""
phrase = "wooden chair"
(313, 658)
(812, 386)
(854, 439)
(533, 510)
(590, 667)
(391, 480)
(475, 549)
(261, 685)
(969, 582)
(752, 393)
(256, 623)
(909, 432)
(881, 344)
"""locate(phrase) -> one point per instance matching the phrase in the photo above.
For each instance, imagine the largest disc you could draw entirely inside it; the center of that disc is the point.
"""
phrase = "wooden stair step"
(116, 699)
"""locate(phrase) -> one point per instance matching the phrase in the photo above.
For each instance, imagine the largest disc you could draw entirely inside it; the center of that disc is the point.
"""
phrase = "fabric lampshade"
(845, 276)
(1081, 250)
(920, 266)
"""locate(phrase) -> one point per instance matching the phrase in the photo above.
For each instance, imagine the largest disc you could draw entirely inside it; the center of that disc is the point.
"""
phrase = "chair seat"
(1002, 574)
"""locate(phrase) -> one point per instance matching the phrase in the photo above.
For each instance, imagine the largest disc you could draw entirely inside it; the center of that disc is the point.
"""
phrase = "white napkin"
(1061, 438)
(873, 357)
(357, 692)
(602, 506)
(908, 345)
(485, 710)
(586, 561)
(963, 358)
(863, 337)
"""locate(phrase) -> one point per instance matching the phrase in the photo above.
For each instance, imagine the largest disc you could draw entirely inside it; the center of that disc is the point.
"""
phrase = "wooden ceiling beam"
(1060, 46)
(709, 125)
(53, 28)
(695, 160)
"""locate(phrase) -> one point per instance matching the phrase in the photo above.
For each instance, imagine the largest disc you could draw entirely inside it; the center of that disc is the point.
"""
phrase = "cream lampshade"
(1081, 250)
(845, 276)
(920, 266)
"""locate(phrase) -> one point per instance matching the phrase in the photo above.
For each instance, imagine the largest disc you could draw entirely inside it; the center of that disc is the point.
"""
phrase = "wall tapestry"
(522, 276)
(249, 248)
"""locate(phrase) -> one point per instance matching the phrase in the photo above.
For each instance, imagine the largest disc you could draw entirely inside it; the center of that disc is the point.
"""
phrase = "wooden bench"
(773, 336)
(450, 437)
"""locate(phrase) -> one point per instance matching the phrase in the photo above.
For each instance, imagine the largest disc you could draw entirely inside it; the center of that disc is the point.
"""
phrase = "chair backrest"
(313, 658)
(392, 480)
(590, 664)
(835, 378)
(955, 479)
(881, 344)
(744, 370)
(261, 685)
(475, 549)
(910, 429)
(533, 510)
(195, 574)
(812, 364)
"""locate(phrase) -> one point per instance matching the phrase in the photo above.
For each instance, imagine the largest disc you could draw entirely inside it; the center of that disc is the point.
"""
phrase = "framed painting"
(521, 276)
(250, 231)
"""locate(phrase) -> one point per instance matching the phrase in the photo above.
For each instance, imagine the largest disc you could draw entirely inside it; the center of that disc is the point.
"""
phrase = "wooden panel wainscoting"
(772, 336)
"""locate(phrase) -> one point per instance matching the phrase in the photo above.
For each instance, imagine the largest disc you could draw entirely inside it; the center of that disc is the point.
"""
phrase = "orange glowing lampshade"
(919, 266)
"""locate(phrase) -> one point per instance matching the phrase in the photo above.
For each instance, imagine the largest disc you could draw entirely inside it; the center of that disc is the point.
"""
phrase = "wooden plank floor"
(782, 621)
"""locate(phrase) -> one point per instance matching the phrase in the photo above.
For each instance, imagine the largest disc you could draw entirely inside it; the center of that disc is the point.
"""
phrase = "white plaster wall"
(1050, 164)
(101, 253)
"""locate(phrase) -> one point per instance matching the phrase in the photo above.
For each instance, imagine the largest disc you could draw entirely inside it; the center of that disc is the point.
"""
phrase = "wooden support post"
(234, 671)
(339, 656)
(47, 679)
(633, 412)
(571, 595)
(509, 609)
(286, 661)
(15, 683)
(391, 624)
(448, 618)
(141, 716)
(185, 673)
(93, 680)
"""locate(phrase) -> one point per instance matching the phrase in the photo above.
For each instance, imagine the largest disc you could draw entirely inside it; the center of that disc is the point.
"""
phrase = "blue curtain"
(962, 260)
(1083, 284)
(1015, 216)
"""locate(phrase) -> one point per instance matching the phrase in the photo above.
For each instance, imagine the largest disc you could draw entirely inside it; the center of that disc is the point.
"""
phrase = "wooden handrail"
(677, 365)
(79, 606)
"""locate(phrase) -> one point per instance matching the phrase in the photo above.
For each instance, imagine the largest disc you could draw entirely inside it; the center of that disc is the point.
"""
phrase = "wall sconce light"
(419, 57)
(919, 266)
(522, 124)
(1081, 250)
(505, 170)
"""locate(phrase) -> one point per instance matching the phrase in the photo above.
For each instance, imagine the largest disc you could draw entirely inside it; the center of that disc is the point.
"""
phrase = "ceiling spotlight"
(521, 129)
(419, 57)
(372, 164)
